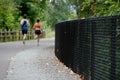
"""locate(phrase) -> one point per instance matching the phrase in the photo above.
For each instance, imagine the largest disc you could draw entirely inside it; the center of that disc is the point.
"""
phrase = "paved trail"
(31, 62)
(8, 50)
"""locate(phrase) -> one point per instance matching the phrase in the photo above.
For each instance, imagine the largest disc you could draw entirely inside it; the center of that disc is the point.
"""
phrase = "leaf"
(9, 71)
(13, 58)
(47, 64)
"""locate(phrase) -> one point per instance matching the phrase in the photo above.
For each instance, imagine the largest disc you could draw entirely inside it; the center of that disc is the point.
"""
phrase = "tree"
(7, 13)
(57, 11)
(96, 8)
(33, 8)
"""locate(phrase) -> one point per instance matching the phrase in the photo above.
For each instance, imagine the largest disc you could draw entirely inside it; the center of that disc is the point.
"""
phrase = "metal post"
(113, 50)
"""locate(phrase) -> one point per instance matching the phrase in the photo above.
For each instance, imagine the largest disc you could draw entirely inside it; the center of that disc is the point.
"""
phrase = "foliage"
(57, 11)
(7, 18)
(53, 11)
(33, 8)
(10, 15)
(50, 33)
(96, 8)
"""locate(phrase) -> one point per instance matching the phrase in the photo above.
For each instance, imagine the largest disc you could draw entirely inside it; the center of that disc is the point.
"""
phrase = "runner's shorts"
(24, 32)
(37, 32)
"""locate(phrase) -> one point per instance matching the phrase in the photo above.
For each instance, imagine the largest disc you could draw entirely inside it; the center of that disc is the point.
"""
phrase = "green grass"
(50, 34)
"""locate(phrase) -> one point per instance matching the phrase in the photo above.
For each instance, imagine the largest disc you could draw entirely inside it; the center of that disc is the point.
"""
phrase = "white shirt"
(21, 22)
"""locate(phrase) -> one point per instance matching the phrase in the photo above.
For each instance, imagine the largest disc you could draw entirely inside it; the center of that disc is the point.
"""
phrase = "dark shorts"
(24, 32)
(37, 32)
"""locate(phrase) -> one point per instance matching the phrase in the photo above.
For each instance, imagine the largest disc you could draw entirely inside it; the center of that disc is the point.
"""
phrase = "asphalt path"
(33, 61)
(8, 50)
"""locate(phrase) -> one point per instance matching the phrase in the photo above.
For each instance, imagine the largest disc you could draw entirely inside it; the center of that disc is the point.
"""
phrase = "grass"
(50, 34)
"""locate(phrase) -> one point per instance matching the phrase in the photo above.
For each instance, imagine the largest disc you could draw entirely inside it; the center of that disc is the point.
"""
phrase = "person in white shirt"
(24, 26)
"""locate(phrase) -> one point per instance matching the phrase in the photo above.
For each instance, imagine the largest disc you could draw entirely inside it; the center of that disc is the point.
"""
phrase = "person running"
(37, 27)
(24, 26)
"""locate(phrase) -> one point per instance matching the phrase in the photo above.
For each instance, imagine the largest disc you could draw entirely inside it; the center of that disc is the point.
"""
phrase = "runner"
(37, 27)
(24, 26)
